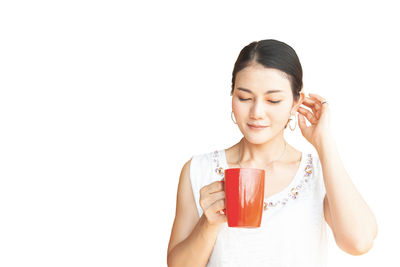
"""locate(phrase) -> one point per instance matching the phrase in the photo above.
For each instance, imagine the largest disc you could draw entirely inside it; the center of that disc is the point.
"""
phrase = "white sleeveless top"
(293, 229)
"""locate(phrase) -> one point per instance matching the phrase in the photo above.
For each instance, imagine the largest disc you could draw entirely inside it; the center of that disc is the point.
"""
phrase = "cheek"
(279, 115)
(238, 109)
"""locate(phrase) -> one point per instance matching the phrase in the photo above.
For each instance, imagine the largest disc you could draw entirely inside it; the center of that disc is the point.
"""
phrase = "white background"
(102, 102)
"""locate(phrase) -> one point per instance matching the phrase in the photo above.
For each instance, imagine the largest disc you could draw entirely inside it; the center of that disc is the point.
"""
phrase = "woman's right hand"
(212, 201)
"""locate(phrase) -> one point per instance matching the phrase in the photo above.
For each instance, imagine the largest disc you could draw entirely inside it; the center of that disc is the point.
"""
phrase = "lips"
(257, 126)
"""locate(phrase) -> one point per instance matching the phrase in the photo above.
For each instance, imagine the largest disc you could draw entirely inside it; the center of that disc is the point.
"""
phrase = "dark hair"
(275, 54)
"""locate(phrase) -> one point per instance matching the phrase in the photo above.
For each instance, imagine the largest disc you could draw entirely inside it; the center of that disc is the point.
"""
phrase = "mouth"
(256, 127)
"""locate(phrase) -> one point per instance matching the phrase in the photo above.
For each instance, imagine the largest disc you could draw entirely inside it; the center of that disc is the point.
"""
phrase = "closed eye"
(274, 102)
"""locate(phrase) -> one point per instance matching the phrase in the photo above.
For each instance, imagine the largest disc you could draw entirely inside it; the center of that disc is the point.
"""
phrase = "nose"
(257, 110)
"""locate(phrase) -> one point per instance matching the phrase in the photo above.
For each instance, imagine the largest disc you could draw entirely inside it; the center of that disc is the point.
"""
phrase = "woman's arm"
(192, 238)
(196, 249)
(351, 220)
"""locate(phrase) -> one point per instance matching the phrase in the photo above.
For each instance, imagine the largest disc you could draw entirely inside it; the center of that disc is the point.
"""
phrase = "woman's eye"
(274, 102)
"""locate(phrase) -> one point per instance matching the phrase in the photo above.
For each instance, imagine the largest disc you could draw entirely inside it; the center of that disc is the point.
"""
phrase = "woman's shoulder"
(207, 164)
(208, 156)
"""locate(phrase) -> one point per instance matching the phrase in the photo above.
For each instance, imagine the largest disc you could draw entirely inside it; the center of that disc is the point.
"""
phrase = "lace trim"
(292, 194)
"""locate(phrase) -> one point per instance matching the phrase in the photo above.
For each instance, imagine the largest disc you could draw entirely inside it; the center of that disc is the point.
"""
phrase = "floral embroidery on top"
(293, 192)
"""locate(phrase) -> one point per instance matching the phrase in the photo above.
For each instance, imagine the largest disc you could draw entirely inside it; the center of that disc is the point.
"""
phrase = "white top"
(293, 229)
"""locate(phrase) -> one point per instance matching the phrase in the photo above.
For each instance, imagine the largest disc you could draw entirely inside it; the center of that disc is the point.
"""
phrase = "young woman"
(302, 192)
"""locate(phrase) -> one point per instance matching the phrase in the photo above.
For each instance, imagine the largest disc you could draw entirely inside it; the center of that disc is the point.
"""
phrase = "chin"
(261, 137)
(257, 139)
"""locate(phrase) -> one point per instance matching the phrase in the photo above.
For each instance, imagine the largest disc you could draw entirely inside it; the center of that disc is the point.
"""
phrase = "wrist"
(325, 144)
(208, 230)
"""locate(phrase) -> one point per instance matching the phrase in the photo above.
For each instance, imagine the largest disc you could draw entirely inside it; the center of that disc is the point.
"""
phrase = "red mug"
(244, 196)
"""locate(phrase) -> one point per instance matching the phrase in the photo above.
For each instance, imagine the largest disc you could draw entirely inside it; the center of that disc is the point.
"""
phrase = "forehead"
(259, 80)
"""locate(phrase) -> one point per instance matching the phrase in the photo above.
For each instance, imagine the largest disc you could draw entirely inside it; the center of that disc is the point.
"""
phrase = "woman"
(303, 192)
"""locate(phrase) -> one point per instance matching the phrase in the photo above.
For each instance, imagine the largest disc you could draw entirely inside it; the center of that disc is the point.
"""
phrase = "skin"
(260, 148)
(352, 222)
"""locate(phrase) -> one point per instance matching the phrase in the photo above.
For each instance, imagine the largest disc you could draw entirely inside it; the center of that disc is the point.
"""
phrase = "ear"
(297, 103)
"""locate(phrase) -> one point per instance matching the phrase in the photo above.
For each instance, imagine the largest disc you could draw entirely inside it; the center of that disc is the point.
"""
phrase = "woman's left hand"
(319, 130)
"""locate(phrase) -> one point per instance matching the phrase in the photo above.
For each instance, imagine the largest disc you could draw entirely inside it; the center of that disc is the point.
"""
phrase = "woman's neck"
(264, 154)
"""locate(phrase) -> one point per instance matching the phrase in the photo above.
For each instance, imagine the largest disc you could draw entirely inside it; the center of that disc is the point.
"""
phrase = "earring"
(232, 118)
(295, 122)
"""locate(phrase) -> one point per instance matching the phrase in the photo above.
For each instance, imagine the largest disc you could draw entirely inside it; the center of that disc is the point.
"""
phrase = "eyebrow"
(267, 92)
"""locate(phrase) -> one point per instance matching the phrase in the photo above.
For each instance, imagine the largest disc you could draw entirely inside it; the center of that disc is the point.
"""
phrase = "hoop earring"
(232, 118)
(295, 122)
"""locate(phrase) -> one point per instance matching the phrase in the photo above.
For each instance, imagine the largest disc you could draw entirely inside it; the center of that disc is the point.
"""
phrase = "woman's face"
(262, 96)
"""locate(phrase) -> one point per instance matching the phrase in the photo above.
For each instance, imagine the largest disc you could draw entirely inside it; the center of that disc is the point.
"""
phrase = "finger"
(218, 205)
(308, 115)
(217, 196)
(311, 103)
(302, 121)
(214, 187)
(209, 200)
(320, 99)
(317, 105)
